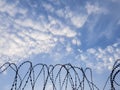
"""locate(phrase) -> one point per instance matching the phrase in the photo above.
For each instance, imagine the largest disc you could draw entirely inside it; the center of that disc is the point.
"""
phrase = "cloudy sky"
(82, 32)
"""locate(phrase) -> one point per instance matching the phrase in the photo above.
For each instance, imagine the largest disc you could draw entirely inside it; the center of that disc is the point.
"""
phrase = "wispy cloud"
(78, 20)
(99, 58)
(11, 8)
(22, 37)
(58, 30)
(95, 9)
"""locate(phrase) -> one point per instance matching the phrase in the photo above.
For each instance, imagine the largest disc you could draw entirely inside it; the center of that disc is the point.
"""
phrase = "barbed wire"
(114, 74)
(56, 77)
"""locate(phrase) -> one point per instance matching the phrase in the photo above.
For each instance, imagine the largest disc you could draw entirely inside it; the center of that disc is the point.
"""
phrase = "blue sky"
(82, 32)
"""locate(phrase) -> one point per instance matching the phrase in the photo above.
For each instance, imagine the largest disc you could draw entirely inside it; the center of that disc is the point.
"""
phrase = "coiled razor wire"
(56, 77)
(115, 74)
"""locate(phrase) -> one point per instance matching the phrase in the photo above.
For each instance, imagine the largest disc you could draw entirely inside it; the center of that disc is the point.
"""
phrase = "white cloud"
(23, 37)
(57, 28)
(63, 32)
(27, 23)
(83, 57)
(95, 9)
(11, 8)
(79, 20)
(75, 18)
(60, 12)
(68, 49)
(11, 45)
(48, 7)
(72, 17)
(76, 42)
(100, 59)
(91, 50)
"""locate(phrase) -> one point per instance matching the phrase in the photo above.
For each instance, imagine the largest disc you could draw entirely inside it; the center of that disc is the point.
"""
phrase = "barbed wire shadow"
(57, 77)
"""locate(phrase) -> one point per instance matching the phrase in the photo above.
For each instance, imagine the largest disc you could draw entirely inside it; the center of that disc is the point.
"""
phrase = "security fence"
(57, 77)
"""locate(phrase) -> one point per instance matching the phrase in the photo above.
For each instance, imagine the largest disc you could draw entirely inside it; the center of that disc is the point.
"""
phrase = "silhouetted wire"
(115, 71)
(60, 76)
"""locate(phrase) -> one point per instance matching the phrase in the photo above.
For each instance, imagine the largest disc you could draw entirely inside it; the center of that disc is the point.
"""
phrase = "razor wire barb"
(59, 76)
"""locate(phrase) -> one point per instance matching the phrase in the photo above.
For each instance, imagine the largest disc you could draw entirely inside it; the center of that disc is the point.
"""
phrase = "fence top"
(57, 77)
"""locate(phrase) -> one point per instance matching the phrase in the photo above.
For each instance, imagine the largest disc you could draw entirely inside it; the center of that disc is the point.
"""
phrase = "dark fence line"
(57, 77)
